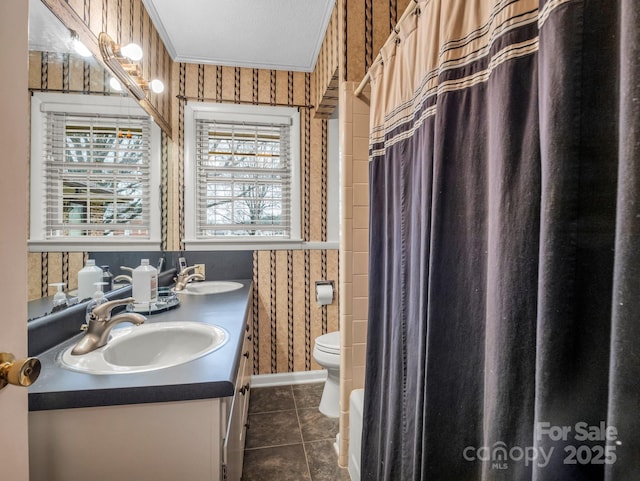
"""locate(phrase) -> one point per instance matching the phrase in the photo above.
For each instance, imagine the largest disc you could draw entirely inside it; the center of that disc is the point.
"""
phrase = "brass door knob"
(22, 372)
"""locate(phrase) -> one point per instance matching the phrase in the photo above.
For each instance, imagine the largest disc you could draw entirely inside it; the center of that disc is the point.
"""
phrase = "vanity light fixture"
(115, 84)
(132, 51)
(156, 85)
(122, 60)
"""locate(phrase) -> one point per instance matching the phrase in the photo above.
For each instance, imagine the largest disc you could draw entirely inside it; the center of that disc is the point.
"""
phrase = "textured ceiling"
(270, 34)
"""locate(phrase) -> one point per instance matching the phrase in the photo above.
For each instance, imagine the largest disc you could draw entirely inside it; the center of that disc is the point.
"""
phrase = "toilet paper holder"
(325, 292)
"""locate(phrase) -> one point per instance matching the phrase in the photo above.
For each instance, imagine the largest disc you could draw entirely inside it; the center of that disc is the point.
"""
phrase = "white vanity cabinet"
(233, 449)
(195, 440)
(156, 441)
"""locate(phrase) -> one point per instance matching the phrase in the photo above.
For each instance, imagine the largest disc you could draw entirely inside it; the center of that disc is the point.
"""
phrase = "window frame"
(238, 113)
(41, 104)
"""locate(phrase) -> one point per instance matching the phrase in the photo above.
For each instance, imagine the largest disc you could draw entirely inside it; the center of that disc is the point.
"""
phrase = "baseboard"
(285, 378)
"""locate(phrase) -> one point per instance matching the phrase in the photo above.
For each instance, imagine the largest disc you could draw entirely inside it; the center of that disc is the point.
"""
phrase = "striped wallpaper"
(286, 318)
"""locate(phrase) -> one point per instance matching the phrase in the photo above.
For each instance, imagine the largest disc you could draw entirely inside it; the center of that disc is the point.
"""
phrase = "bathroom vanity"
(183, 422)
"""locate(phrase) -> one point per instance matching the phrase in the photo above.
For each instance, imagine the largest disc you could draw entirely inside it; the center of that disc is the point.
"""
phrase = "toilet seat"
(329, 343)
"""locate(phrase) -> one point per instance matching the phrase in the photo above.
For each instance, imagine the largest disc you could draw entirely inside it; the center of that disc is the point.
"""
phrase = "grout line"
(306, 458)
(271, 446)
(304, 447)
(333, 438)
(271, 412)
(293, 395)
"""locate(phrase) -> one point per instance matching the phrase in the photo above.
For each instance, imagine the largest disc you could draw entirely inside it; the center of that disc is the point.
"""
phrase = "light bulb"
(115, 84)
(132, 51)
(157, 86)
(80, 48)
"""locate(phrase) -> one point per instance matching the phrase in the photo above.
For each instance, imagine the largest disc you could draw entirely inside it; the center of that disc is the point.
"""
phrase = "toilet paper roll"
(324, 294)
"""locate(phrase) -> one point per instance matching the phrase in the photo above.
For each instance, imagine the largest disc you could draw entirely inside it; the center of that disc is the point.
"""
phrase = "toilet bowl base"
(330, 401)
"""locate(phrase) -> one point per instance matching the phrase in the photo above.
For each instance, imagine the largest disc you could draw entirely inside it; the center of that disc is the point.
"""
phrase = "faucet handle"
(187, 269)
(103, 311)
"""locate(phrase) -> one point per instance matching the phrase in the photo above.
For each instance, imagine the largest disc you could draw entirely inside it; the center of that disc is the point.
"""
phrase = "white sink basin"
(148, 347)
(210, 287)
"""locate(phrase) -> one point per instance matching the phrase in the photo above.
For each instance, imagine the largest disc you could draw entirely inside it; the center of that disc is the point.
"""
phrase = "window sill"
(252, 245)
(89, 244)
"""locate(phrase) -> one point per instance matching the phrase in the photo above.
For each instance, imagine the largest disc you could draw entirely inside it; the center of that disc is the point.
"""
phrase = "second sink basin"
(210, 287)
(149, 347)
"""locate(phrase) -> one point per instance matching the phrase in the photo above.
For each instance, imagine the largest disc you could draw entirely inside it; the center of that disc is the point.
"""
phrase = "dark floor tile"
(308, 395)
(282, 463)
(273, 429)
(275, 398)
(323, 462)
(316, 426)
(280, 417)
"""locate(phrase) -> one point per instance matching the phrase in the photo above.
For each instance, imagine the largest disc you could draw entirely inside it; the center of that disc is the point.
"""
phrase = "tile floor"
(288, 438)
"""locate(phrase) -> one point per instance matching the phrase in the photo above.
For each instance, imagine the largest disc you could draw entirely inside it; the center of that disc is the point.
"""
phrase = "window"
(242, 173)
(97, 172)
(93, 173)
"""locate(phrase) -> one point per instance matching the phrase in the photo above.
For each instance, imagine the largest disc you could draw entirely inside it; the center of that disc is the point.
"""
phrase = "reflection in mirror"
(56, 66)
(59, 62)
(218, 265)
(47, 33)
(117, 264)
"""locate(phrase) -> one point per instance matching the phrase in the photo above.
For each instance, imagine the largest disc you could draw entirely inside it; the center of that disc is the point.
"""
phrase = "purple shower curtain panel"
(504, 311)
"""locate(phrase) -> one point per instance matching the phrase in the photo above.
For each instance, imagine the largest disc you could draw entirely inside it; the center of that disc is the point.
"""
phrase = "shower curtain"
(504, 312)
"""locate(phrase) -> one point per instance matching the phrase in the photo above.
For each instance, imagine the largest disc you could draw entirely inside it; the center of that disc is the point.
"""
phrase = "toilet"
(326, 352)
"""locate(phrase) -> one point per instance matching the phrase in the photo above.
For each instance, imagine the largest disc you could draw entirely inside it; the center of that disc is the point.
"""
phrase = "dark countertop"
(210, 376)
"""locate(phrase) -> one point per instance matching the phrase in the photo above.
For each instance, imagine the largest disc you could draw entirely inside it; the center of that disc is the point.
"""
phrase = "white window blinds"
(243, 179)
(97, 175)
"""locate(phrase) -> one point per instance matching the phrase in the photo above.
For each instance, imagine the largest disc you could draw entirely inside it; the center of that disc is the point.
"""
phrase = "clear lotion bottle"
(96, 299)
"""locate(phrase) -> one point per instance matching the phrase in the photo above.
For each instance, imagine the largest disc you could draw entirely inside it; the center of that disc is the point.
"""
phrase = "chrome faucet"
(100, 323)
(124, 277)
(184, 278)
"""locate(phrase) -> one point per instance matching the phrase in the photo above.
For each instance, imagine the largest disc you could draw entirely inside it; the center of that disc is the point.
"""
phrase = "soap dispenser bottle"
(96, 299)
(60, 300)
(87, 277)
(145, 284)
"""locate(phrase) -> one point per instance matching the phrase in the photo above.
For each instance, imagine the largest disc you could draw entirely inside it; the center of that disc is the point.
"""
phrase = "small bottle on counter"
(96, 299)
(145, 284)
(107, 278)
(87, 278)
(60, 300)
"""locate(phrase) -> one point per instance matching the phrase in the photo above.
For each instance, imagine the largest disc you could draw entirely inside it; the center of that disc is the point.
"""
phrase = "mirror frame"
(68, 17)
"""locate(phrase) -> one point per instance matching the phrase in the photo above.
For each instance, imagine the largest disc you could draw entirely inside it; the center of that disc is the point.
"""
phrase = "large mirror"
(46, 32)
(55, 66)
